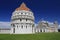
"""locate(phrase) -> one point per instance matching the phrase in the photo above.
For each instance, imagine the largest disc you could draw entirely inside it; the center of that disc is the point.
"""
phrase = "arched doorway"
(13, 30)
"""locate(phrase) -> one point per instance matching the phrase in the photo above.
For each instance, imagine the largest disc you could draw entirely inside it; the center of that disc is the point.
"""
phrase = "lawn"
(40, 36)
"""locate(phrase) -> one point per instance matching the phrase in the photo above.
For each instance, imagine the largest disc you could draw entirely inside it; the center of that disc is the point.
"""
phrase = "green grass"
(40, 36)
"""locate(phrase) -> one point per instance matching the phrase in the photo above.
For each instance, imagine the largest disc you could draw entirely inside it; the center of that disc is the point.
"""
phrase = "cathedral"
(22, 22)
(45, 26)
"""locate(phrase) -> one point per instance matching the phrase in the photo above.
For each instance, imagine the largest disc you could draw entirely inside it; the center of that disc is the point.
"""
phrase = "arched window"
(25, 13)
(22, 26)
(20, 19)
(17, 26)
(26, 19)
(13, 25)
(21, 13)
(26, 26)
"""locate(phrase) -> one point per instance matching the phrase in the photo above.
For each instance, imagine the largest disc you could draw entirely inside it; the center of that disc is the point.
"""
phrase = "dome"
(22, 12)
(23, 7)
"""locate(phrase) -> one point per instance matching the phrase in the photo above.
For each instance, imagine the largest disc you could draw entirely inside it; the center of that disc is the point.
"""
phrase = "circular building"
(22, 20)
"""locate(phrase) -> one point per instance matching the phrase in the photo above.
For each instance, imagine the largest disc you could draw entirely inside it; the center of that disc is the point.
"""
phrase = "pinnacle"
(23, 7)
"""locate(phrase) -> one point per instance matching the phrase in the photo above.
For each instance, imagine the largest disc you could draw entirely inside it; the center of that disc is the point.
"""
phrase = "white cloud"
(47, 22)
(59, 27)
(50, 22)
(35, 24)
(4, 24)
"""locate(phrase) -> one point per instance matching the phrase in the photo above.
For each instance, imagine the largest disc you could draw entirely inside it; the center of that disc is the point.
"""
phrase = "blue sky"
(49, 10)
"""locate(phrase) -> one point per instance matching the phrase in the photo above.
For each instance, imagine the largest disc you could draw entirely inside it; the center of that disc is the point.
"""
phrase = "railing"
(20, 16)
(21, 22)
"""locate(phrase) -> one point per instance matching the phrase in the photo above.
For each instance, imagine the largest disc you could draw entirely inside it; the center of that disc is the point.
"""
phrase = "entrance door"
(13, 30)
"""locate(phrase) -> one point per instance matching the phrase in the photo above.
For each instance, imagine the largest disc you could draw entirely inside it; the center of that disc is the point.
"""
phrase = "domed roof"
(23, 7)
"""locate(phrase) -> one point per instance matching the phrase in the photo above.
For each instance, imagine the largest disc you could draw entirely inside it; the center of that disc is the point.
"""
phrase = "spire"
(23, 7)
(55, 22)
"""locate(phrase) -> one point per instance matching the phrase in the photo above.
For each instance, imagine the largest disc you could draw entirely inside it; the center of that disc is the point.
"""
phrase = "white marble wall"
(23, 15)
(2, 31)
